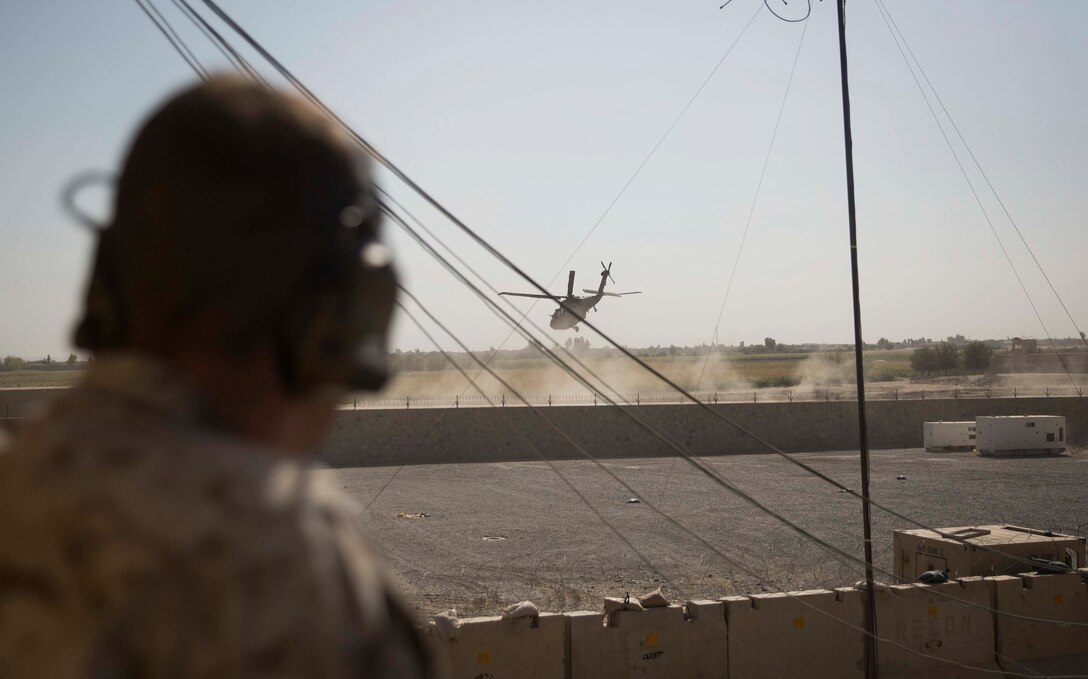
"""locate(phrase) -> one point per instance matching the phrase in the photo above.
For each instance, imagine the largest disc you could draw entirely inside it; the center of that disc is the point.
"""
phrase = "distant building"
(1024, 345)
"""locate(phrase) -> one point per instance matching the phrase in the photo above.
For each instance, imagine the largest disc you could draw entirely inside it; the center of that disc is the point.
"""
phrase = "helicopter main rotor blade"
(526, 294)
(612, 294)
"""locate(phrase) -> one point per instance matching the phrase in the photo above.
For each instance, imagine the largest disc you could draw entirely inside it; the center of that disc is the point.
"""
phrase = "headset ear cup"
(102, 327)
(376, 296)
(340, 336)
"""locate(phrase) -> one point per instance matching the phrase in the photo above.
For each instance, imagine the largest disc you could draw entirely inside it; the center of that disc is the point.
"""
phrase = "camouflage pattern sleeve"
(134, 542)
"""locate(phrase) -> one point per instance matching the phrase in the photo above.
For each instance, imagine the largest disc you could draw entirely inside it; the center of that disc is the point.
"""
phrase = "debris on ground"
(493, 538)
(415, 515)
(901, 477)
(633, 501)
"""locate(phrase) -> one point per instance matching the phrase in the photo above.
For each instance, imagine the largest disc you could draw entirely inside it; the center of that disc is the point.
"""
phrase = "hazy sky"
(527, 119)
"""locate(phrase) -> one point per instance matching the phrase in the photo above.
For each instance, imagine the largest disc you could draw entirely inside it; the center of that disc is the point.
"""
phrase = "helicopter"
(573, 309)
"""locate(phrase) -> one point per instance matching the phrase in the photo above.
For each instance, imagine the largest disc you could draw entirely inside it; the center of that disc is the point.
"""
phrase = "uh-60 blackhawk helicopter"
(573, 309)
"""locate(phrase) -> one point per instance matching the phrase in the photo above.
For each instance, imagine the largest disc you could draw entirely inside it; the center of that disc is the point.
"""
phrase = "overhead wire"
(654, 508)
(755, 201)
(659, 512)
(767, 4)
(532, 443)
(173, 38)
(747, 225)
(680, 450)
(981, 206)
(886, 13)
(636, 173)
(236, 59)
(714, 413)
(684, 529)
(483, 243)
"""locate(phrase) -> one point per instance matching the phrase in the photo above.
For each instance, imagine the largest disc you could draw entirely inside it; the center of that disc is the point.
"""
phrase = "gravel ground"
(498, 533)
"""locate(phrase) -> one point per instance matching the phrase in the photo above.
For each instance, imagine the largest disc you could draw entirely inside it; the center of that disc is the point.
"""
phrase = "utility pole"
(863, 432)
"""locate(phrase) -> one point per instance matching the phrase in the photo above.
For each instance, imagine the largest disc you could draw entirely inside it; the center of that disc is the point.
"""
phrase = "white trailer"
(943, 436)
(1020, 435)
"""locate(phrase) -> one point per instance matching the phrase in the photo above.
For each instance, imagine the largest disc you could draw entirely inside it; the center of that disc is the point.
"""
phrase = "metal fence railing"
(712, 397)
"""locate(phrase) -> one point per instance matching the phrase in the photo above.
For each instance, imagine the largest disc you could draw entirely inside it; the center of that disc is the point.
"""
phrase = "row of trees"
(947, 357)
(16, 363)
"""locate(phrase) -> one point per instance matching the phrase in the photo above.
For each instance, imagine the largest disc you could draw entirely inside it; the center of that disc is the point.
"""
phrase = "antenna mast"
(863, 431)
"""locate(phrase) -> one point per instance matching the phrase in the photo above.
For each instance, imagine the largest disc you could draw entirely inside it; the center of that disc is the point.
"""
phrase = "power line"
(173, 38)
(755, 200)
(507, 262)
(539, 453)
(635, 174)
(225, 48)
(658, 511)
(687, 456)
(978, 200)
(888, 17)
(698, 538)
(767, 4)
(692, 460)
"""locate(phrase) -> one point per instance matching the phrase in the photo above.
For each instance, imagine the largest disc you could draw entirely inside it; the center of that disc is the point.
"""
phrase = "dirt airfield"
(477, 537)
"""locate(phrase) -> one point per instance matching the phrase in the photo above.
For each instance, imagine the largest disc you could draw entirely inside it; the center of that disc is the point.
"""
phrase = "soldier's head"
(244, 221)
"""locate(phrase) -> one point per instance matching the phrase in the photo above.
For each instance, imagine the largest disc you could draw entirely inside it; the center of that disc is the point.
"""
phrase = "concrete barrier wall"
(920, 629)
(673, 641)
(812, 634)
(421, 436)
(385, 437)
(925, 631)
(494, 648)
(1043, 597)
(18, 403)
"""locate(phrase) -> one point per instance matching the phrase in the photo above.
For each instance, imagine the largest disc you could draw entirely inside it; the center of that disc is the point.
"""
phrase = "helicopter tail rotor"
(607, 273)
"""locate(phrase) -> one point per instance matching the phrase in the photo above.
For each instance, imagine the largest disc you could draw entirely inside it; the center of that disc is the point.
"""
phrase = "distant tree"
(883, 343)
(48, 359)
(13, 363)
(924, 360)
(72, 359)
(580, 345)
(948, 356)
(742, 345)
(769, 343)
(977, 356)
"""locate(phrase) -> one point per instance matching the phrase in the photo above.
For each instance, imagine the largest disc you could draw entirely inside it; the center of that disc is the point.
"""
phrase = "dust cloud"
(827, 369)
(611, 374)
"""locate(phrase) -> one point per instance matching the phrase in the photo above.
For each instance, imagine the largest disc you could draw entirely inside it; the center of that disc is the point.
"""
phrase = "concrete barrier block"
(924, 633)
(1062, 597)
(810, 634)
(493, 648)
(656, 642)
(706, 643)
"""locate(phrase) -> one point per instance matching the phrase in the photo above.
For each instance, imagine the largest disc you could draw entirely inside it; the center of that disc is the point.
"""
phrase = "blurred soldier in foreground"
(159, 521)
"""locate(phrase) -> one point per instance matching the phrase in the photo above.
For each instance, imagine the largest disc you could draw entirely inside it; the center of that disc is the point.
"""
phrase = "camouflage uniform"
(138, 541)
